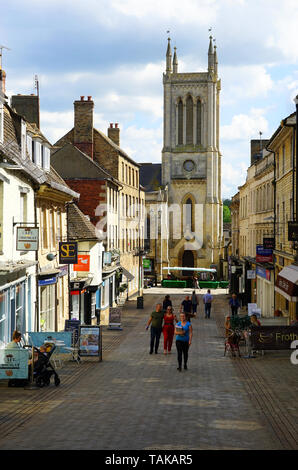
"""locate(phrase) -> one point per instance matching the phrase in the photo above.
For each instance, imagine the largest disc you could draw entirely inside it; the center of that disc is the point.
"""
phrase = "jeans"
(234, 310)
(207, 310)
(155, 337)
(182, 349)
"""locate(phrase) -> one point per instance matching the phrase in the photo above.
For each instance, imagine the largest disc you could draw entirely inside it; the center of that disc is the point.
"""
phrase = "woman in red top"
(168, 329)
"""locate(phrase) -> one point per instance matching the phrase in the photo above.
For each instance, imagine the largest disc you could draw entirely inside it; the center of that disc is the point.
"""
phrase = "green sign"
(146, 263)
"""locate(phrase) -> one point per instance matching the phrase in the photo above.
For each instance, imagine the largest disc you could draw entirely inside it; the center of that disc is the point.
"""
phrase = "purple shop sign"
(264, 255)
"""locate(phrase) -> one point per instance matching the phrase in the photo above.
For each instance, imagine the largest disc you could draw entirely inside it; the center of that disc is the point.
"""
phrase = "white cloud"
(245, 126)
(242, 82)
(142, 144)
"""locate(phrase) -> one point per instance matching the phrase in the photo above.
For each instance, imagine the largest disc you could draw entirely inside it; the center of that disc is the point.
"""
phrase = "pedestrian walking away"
(234, 304)
(186, 308)
(183, 340)
(168, 330)
(194, 302)
(156, 321)
(207, 299)
(166, 303)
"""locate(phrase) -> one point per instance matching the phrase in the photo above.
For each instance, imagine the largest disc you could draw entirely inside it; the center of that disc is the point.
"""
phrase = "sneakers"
(179, 368)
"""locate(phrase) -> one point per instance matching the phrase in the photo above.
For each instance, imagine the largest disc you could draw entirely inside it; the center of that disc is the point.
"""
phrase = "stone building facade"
(282, 143)
(126, 205)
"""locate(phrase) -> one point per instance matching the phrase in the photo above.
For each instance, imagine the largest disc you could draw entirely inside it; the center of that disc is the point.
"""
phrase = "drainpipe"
(36, 269)
(274, 218)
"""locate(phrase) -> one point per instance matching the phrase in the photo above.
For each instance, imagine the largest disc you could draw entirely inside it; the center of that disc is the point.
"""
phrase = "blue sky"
(115, 51)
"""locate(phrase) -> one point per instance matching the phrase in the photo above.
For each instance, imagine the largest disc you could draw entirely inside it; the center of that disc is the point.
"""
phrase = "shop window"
(3, 318)
(20, 321)
(75, 307)
(47, 308)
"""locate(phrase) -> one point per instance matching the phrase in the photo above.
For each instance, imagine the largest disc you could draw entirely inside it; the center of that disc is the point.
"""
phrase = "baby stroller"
(232, 342)
(43, 369)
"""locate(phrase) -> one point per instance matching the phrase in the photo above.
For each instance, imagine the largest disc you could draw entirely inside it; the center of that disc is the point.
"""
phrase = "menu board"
(14, 363)
(90, 340)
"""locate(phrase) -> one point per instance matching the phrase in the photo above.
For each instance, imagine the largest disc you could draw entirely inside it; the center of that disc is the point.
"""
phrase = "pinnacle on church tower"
(215, 61)
(210, 56)
(169, 57)
(175, 61)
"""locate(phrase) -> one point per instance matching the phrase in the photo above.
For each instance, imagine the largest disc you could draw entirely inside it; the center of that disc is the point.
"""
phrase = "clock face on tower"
(188, 165)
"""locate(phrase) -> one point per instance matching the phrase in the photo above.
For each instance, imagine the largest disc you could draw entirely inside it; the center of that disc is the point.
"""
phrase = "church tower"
(191, 162)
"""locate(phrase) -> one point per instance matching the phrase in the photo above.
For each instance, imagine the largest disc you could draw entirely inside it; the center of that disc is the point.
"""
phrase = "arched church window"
(189, 120)
(188, 207)
(180, 123)
(199, 122)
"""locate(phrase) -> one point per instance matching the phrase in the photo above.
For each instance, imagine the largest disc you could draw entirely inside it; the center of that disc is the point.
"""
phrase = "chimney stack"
(83, 125)
(27, 106)
(114, 134)
(2, 81)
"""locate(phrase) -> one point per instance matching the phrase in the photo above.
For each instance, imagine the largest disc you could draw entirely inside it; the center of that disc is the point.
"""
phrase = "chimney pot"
(111, 125)
(82, 98)
(89, 98)
(116, 125)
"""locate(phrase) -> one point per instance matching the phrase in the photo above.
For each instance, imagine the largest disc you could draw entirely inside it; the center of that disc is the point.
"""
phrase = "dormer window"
(29, 146)
(23, 139)
(45, 157)
(36, 147)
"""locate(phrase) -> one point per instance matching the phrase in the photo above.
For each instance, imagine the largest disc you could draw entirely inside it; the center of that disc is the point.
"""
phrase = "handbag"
(179, 330)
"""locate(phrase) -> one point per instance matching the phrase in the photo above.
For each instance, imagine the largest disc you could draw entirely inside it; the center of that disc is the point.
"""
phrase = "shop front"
(265, 291)
(16, 305)
(47, 294)
(286, 289)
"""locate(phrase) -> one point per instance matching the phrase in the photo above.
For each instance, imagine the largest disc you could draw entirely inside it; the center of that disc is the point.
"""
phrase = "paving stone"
(133, 400)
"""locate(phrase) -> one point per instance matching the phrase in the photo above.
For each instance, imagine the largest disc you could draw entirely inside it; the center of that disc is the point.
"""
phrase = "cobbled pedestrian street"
(133, 400)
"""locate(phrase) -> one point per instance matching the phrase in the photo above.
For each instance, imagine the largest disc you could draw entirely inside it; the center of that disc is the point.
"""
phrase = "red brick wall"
(92, 193)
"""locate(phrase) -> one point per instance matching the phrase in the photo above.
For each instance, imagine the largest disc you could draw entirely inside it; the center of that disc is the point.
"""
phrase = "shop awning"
(287, 283)
(127, 274)
(183, 268)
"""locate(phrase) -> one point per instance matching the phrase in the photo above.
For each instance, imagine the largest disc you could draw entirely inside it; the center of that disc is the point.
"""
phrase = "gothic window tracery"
(189, 120)
(180, 122)
(199, 122)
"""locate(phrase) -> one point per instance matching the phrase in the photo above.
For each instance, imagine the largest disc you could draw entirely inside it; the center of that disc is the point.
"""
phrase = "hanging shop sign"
(292, 231)
(83, 263)
(269, 243)
(27, 238)
(107, 257)
(90, 341)
(68, 252)
(263, 255)
(251, 274)
(273, 337)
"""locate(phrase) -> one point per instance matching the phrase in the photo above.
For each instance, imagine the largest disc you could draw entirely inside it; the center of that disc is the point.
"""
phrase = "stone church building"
(183, 197)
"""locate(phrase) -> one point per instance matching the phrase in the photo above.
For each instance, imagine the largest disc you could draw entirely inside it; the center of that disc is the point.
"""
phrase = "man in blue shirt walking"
(207, 299)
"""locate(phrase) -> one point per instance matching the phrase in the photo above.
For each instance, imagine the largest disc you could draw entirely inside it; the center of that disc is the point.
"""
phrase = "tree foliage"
(226, 214)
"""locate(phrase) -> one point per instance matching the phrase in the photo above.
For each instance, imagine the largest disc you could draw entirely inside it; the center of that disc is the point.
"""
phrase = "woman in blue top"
(183, 340)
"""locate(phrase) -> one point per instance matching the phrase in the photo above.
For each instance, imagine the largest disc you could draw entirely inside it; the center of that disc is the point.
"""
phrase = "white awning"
(183, 268)
(290, 273)
(287, 283)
